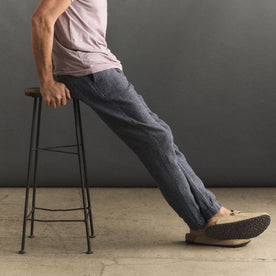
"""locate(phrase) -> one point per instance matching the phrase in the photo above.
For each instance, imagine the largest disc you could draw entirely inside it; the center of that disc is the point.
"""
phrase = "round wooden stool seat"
(33, 92)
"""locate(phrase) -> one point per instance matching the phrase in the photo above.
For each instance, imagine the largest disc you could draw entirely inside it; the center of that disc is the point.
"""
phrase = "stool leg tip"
(89, 252)
(92, 236)
(31, 236)
(21, 251)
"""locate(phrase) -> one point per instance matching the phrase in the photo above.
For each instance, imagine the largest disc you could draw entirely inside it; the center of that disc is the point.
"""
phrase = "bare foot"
(222, 212)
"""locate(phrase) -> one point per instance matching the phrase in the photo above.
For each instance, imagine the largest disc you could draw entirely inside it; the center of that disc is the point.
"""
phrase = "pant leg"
(204, 197)
(115, 100)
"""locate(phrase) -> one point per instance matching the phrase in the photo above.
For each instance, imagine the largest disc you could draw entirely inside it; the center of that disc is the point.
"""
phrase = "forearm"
(42, 33)
(42, 36)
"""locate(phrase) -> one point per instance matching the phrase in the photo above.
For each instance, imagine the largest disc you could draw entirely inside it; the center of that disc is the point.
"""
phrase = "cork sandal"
(203, 239)
(237, 225)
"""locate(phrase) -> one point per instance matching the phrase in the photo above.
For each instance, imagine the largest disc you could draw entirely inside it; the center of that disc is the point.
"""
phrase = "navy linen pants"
(115, 100)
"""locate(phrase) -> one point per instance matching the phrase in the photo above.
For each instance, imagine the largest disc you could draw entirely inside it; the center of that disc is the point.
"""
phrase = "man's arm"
(42, 33)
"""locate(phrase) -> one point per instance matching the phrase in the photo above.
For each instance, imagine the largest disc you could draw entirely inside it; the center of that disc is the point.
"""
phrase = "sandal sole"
(219, 245)
(244, 229)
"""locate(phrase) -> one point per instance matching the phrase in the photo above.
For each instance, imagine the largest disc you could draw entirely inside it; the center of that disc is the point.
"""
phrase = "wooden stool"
(35, 128)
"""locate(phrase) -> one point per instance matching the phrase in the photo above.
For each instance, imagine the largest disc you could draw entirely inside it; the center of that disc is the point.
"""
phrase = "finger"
(67, 93)
(57, 101)
(47, 102)
(53, 104)
(63, 100)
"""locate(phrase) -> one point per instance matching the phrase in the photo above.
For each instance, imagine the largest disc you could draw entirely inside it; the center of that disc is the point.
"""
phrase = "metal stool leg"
(35, 167)
(22, 251)
(85, 171)
(80, 156)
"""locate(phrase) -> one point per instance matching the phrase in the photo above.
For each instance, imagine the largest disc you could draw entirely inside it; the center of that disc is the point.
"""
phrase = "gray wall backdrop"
(205, 67)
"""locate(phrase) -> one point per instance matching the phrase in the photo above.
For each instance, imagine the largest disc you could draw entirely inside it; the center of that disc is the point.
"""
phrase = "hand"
(54, 93)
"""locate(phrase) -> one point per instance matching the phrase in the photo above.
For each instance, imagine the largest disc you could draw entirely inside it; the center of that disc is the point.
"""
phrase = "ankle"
(222, 212)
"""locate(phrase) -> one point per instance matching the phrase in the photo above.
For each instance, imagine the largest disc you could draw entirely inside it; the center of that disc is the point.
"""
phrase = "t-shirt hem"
(87, 71)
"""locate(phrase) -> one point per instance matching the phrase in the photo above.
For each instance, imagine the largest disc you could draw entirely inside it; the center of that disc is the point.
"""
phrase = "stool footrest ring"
(47, 209)
(54, 210)
(54, 149)
(55, 220)
(58, 220)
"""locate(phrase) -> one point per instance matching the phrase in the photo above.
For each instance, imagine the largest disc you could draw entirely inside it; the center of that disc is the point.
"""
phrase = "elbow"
(38, 20)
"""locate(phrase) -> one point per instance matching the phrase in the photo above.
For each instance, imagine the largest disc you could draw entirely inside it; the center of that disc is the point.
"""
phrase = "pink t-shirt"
(79, 45)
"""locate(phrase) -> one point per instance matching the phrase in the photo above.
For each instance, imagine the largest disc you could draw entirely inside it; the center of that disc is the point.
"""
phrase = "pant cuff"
(212, 211)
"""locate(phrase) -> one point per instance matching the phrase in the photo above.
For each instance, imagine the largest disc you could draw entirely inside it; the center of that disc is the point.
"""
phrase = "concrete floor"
(137, 233)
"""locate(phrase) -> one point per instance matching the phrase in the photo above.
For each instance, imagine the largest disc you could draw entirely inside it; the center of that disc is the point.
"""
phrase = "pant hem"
(212, 211)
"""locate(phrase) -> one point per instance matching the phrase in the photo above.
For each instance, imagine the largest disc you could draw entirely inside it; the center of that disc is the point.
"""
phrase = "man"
(72, 58)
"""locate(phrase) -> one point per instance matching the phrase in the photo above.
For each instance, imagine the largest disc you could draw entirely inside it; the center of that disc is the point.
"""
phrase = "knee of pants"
(162, 139)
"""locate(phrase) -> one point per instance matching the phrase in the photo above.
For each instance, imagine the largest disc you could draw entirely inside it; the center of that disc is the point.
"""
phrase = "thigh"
(116, 102)
(115, 92)
(114, 99)
(128, 87)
